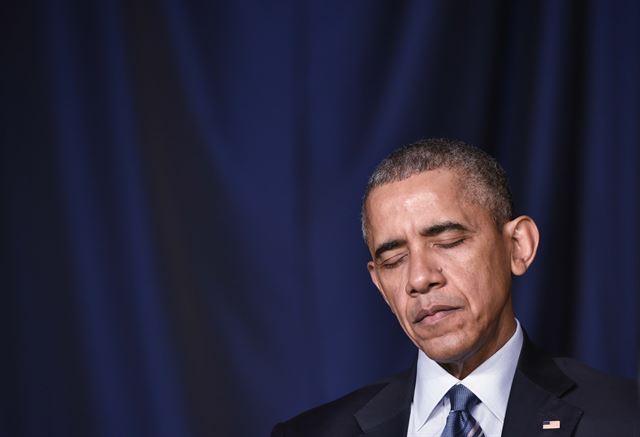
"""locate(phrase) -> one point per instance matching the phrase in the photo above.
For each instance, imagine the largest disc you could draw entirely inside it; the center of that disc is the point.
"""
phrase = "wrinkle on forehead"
(415, 200)
(428, 198)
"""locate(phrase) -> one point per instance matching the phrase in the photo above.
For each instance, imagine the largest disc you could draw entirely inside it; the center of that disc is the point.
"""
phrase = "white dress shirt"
(490, 382)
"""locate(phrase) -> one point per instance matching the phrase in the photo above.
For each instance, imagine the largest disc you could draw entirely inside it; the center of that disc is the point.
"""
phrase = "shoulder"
(576, 382)
(338, 418)
(577, 395)
(604, 399)
(598, 384)
(335, 418)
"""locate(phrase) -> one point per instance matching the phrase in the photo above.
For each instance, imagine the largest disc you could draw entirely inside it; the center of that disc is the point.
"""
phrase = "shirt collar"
(490, 382)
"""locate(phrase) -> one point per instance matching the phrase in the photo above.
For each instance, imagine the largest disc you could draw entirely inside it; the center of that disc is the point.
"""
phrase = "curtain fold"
(181, 186)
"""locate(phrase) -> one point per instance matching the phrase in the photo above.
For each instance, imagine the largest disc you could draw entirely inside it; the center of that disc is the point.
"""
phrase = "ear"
(524, 237)
(376, 281)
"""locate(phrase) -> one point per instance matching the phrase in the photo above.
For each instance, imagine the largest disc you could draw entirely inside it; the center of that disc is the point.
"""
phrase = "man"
(437, 219)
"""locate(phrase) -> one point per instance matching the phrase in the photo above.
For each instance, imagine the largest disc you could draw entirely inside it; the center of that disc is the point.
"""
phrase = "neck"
(462, 368)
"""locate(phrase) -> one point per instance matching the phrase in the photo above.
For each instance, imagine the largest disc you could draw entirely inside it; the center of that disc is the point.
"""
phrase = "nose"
(424, 274)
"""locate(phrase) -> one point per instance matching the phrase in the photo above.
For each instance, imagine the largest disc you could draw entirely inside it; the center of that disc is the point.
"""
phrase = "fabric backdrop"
(181, 184)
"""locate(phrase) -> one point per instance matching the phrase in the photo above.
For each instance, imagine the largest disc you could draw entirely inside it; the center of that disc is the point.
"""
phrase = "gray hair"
(485, 182)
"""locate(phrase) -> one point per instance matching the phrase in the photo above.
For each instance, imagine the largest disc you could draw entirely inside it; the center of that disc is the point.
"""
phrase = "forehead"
(423, 199)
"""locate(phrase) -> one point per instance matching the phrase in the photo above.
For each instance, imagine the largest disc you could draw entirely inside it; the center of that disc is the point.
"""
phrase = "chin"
(446, 349)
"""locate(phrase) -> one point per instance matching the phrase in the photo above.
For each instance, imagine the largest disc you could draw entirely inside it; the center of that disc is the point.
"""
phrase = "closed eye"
(393, 262)
(451, 244)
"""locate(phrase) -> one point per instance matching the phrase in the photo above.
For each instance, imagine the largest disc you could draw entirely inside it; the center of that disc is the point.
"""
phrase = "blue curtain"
(181, 184)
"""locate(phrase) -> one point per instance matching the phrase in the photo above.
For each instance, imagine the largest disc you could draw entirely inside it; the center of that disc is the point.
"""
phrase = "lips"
(434, 313)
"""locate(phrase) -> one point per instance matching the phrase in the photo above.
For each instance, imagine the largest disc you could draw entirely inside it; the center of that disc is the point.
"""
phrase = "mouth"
(435, 313)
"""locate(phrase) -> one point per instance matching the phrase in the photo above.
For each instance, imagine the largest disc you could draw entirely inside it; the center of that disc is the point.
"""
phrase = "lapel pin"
(551, 424)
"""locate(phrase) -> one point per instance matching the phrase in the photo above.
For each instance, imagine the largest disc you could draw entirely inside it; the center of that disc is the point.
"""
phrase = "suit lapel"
(535, 397)
(387, 413)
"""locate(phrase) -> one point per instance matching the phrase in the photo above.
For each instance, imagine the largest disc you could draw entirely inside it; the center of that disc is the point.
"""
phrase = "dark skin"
(444, 267)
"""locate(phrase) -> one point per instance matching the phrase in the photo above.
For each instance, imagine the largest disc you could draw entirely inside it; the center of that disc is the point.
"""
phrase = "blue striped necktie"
(460, 422)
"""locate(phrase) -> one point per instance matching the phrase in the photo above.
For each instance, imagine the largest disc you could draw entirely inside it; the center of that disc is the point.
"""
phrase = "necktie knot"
(461, 398)
(460, 422)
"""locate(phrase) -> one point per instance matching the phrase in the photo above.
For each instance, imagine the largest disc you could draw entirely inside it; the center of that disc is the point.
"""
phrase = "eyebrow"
(431, 231)
(389, 245)
(440, 228)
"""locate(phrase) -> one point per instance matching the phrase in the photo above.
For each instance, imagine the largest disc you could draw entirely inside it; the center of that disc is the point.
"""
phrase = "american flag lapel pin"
(551, 424)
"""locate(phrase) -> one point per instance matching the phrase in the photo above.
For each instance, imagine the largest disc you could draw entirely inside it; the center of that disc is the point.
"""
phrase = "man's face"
(442, 266)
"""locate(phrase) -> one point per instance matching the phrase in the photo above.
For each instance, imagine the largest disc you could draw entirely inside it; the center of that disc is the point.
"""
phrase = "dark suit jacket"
(586, 402)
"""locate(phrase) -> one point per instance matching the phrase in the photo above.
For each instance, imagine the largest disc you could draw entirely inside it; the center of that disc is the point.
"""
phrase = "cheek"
(393, 283)
(396, 298)
(473, 277)
(488, 291)
(397, 301)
